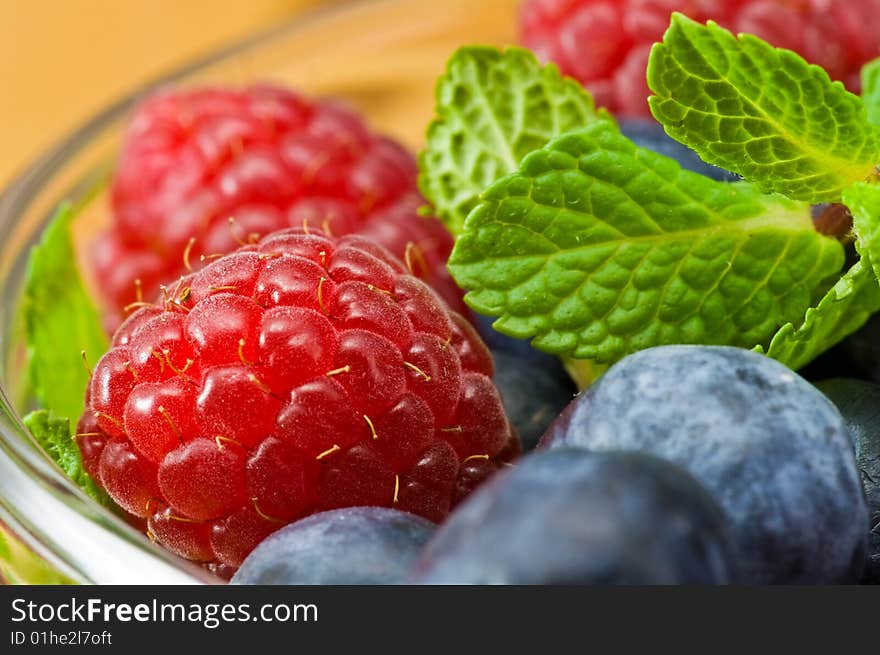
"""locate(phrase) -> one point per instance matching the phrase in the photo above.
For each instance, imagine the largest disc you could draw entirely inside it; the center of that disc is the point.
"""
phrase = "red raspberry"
(297, 374)
(266, 158)
(605, 44)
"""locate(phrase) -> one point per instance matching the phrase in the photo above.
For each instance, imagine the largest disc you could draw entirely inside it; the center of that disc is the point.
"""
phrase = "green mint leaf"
(843, 310)
(60, 321)
(19, 564)
(871, 90)
(863, 201)
(759, 111)
(598, 248)
(54, 436)
(493, 108)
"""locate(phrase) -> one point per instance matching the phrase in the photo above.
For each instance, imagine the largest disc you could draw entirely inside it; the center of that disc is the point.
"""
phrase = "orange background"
(62, 60)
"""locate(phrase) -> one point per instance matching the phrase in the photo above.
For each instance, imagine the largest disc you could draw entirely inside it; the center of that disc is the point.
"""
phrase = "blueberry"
(649, 134)
(859, 402)
(350, 546)
(533, 394)
(569, 516)
(498, 342)
(772, 449)
(534, 386)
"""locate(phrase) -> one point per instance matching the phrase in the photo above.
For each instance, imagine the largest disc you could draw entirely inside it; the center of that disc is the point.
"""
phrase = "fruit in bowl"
(265, 158)
(606, 45)
(771, 448)
(297, 374)
(292, 365)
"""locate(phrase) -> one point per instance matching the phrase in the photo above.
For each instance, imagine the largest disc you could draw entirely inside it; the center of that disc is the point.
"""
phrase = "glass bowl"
(383, 57)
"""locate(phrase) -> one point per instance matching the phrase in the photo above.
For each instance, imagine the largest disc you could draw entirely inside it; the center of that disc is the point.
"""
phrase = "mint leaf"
(863, 201)
(759, 111)
(843, 310)
(599, 248)
(493, 108)
(19, 564)
(60, 321)
(871, 90)
(54, 436)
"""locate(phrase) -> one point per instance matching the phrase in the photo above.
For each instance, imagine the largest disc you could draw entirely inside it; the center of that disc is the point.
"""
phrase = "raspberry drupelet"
(298, 374)
(605, 44)
(267, 158)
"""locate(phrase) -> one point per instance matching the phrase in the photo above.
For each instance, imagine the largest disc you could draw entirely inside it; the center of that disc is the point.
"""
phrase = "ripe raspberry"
(606, 44)
(297, 374)
(268, 159)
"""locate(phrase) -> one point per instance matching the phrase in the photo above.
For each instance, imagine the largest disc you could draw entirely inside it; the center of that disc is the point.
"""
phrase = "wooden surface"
(62, 60)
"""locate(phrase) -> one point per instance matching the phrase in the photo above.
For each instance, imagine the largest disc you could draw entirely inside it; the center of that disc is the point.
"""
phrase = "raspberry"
(297, 374)
(605, 45)
(203, 171)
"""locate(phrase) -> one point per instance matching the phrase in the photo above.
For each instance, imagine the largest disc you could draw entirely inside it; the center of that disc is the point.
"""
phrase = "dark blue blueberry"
(498, 342)
(772, 449)
(533, 393)
(859, 403)
(534, 386)
(575, 517)
(350, 546)
(649, 134)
